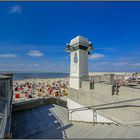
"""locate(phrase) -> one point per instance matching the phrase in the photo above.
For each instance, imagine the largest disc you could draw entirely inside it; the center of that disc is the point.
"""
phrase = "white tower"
(79, 48)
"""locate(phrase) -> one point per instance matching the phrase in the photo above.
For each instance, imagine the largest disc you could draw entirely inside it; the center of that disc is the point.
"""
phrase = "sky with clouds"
(33, 35)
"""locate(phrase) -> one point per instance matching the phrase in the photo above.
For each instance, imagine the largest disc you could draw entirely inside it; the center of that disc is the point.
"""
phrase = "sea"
(22, 76)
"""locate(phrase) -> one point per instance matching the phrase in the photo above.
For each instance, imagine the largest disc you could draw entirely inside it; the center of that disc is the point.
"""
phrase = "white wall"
(84, 115)
(75, 83)
(78, 69)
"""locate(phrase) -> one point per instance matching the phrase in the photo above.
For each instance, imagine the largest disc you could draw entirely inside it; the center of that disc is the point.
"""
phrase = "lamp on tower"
(68, 48)
(90, 48)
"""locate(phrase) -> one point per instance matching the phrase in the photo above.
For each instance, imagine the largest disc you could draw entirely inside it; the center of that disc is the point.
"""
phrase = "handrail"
(101, 107)
(93, 110)
(91, 107)
(80, 109)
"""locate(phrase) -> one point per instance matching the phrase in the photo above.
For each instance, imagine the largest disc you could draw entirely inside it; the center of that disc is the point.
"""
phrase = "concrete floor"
(51, 122)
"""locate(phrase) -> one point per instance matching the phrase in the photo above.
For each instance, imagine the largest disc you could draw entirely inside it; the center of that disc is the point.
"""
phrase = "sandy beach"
(36, 88)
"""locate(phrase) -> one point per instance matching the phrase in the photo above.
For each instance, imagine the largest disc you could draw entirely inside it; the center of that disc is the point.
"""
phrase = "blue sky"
(33, 35)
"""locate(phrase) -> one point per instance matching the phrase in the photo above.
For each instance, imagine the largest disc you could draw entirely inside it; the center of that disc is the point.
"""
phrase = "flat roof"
(7, 73)
(51, 122)
(3, 77)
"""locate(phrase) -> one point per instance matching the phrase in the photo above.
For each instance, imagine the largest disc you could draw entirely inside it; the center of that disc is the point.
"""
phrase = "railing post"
(93, 116)
(68, 115)
(94, 110)
(77, 95)
(71, 115)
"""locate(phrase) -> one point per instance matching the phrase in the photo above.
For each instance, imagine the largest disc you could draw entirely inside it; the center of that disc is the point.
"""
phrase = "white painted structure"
(79, 47)
(85, 115)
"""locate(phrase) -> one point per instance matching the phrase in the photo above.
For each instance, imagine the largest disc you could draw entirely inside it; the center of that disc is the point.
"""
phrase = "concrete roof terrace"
(52, 122)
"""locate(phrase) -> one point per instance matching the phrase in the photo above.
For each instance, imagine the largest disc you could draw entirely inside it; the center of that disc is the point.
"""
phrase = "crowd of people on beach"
(40, 88)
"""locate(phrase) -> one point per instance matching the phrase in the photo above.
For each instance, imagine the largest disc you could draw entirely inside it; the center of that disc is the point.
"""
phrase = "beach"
(36, 88)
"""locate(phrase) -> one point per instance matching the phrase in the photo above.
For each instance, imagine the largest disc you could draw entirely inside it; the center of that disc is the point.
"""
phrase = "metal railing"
(94, 113)
(103, 107)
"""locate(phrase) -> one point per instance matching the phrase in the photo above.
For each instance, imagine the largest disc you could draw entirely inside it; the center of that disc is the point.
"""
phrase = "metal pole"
(77, 94)
(71, 115)
(93, 117)
(68, 115)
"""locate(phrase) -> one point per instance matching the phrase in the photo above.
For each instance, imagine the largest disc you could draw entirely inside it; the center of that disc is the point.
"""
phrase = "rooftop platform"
(123, 108)
(51, 122)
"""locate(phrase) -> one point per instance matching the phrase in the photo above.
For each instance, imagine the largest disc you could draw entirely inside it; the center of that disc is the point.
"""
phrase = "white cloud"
(29, 65)
(103, 63)
(126, 58)
(121, 64)
(7, 65)
(127, 64)
(136, 64)
(15, 9)
(35, 53)
(7, 55)
(96, 56)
